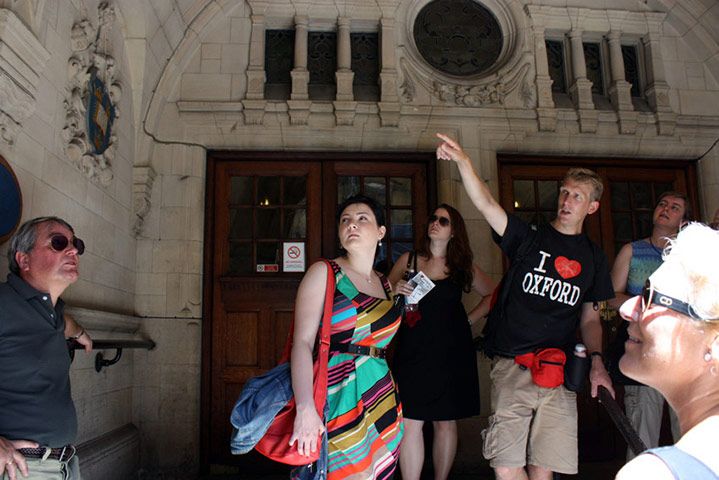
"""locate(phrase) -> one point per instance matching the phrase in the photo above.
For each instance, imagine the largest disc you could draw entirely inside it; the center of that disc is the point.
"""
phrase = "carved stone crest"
(93, 93)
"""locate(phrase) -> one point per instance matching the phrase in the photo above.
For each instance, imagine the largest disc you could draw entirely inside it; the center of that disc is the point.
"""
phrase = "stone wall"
(93, 194)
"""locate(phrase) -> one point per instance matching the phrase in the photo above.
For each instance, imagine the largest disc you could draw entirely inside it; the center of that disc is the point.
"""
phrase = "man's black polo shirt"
(35, 400)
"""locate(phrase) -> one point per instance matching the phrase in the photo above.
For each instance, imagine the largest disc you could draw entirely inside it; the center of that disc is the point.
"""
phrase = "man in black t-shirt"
(555, 286)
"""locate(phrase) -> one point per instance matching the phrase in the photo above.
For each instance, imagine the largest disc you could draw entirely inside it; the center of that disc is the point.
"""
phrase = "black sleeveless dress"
(435, 362)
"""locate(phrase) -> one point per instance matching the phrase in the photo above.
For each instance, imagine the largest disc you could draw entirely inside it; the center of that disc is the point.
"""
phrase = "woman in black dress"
(435, 364)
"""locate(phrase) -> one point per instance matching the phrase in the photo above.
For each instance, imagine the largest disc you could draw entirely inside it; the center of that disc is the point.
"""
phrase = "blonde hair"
(584, 175)
(695, 252)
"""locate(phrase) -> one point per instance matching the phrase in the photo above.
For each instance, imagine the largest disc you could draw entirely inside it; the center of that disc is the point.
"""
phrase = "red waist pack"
(546, 365)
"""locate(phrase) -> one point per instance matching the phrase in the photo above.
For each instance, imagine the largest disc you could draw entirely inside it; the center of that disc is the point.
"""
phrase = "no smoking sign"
(293, 256)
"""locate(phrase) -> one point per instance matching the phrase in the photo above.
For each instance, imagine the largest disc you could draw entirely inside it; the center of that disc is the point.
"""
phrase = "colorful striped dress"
(364, 423)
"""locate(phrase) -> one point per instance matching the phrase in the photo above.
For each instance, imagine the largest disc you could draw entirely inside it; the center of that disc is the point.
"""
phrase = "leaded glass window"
(632, 206)
(279, 55)
(322, 64)
(458, 37)
(535, 201)
(365, 65)
(264, 212)
(395, 194)
(595, 74)
(631, 68)
(555, 59)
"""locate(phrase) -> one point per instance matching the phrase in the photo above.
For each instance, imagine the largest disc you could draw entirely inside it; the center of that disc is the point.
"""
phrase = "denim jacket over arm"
(260, 401)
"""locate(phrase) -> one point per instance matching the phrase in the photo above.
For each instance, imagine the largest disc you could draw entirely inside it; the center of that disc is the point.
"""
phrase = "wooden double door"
(269, 216)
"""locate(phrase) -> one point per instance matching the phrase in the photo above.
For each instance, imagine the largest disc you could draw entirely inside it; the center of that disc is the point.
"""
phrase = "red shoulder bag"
(275, 444)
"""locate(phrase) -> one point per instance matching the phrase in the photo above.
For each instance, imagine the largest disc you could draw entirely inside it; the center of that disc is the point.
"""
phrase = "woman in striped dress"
(364, 420)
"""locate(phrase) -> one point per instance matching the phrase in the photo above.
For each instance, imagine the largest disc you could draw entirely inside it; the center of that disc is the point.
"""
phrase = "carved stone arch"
(489, 87)
(700, 32)
(183, 53)
(29, 12)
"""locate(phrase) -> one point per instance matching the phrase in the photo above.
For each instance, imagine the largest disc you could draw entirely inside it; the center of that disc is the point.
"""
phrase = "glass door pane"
(264, 212)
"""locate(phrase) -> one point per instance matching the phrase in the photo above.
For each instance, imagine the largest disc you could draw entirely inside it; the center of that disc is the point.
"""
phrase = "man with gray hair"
(38, 423)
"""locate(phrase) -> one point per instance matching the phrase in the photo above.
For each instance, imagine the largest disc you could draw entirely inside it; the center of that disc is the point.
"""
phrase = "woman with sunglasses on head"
(634, 263)
(673, 346)
(364, 417)
(435, 361)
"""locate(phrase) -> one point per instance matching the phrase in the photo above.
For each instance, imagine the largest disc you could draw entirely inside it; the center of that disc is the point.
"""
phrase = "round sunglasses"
(60, 242)
(443, 221)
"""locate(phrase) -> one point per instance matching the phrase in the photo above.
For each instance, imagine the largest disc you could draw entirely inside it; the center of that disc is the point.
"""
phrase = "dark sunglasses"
(650, 296)
(60, 242)
(444, 221)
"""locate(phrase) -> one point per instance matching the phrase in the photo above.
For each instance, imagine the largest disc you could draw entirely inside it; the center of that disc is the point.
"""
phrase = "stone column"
(344, 104)
(344, 73)
(581, 90)
(299, 104)
(657, 90)
(619, 89)
(300, 74)
(389, 102)
(546, 113)
(254, 102)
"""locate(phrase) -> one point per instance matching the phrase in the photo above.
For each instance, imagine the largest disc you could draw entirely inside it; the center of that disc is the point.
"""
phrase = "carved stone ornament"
(143, 179)
(93, 94)
(487, 93)
(406, 88)
(483, 92)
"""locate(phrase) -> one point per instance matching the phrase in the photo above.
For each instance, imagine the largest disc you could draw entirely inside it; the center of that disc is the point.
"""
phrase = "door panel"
(252, 309)
(631, 188)
(255, 202)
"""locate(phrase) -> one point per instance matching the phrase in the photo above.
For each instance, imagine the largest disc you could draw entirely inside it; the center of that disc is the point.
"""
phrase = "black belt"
(61, 454)
(374, 352)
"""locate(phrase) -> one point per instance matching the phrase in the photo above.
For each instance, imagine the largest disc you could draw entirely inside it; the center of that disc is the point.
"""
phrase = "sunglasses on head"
(444, 221)
(650, 296)
(60, 242)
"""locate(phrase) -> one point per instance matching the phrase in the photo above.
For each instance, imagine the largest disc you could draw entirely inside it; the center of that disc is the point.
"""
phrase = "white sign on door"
(293, 256)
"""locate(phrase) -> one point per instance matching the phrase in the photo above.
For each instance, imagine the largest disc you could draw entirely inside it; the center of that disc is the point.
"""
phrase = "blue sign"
(10, 201)
(100, 114)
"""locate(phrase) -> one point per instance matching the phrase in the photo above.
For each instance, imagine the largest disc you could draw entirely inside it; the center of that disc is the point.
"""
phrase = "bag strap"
(412, 256)
(325, 322)
(530, 242)
(682, 465)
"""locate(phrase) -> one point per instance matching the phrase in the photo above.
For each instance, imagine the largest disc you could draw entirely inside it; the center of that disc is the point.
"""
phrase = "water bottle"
(576, 369)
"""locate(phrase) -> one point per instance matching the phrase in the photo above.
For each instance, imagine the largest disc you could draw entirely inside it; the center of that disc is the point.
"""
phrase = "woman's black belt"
(374, 352)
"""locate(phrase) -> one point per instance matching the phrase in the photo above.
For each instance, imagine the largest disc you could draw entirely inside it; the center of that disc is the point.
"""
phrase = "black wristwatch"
(596, 354)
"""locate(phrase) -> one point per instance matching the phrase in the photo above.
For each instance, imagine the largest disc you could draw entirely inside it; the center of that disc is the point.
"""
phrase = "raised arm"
(476, 188)
(483, 285)
(309, 307)
(620, 273)
(591, 327)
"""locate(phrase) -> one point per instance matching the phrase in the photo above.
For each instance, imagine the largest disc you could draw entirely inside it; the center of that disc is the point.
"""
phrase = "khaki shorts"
(49, 469)
(530, 424)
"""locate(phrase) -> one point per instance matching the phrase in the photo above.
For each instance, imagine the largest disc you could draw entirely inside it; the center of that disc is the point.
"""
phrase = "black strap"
(412, 256)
